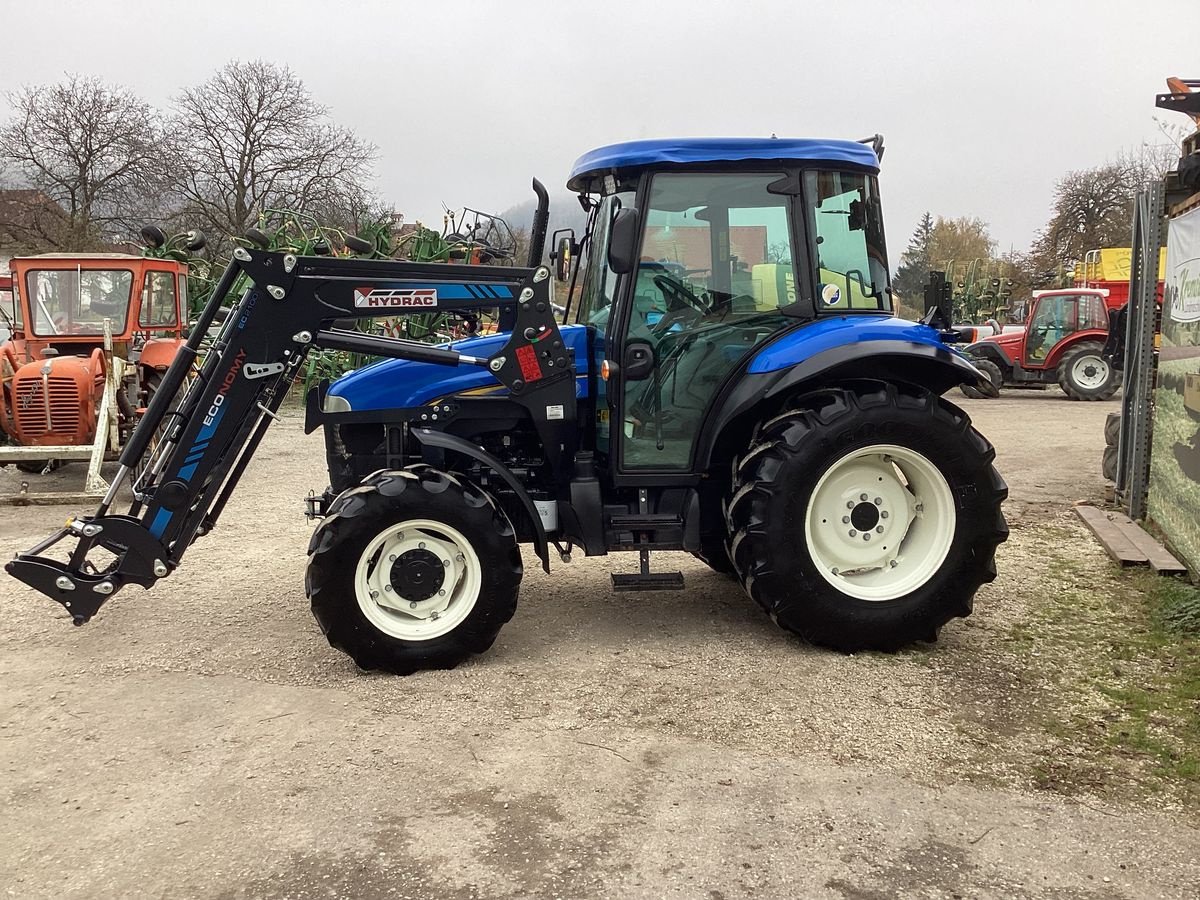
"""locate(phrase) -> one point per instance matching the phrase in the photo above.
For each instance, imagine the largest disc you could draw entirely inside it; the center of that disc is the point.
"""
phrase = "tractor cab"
(1057, 316)
(698, 252)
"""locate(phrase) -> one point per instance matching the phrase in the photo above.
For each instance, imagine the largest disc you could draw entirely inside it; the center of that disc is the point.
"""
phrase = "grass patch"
(1118, 658)
(1176, 605)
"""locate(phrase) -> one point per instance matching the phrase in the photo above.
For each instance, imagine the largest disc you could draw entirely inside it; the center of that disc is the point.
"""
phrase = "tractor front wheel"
(866, 517)
(413, 569)
(993, 373)
(1084, 374)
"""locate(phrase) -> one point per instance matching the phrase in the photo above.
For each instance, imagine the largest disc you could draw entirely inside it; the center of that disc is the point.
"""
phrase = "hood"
(396, 383)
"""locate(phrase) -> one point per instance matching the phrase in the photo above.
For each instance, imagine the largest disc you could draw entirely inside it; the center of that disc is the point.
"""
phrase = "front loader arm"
(209, 437)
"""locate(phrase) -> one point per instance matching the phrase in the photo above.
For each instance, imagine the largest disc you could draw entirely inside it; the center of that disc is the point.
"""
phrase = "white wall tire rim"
(1090, 372)
(880, 522)
(417, 618)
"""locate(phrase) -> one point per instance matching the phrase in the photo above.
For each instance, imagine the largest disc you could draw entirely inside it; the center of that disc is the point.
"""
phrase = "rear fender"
(1061, 348)
(990, 350)
(755, 396)
(159, 353)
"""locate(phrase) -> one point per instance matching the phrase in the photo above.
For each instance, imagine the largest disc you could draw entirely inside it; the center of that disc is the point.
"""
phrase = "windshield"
(599, 281)
(74, 301)
(846, 223)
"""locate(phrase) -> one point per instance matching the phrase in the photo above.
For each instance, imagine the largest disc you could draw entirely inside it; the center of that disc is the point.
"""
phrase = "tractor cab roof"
(633, 155)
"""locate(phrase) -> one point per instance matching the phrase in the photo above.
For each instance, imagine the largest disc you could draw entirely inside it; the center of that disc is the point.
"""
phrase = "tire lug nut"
(853, 533)
(835, 571)
(845, 520)
(388, 588)
(878, 501)
(879, 529)
(894, 563)
(445, 562)
(391, 557)
(442, 593)
(884, 514)
(421, 545)
(412, 605)
(867, 536)
(849, 504)
(862, 496)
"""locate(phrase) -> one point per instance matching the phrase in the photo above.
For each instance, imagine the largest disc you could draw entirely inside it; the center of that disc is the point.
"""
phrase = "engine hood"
(396, 383)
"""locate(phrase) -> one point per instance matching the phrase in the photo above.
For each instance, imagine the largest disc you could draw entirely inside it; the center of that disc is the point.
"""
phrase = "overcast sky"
(983, 105)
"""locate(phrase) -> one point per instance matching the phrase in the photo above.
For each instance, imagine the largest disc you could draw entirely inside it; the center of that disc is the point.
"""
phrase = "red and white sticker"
(395, 298)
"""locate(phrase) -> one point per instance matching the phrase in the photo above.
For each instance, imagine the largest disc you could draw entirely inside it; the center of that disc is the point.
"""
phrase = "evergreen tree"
(915, 262)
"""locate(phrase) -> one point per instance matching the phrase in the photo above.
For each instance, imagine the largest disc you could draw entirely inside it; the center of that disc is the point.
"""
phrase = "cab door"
(714, 279)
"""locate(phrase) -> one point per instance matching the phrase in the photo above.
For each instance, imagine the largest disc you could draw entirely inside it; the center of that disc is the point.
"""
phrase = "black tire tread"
(1071, 389)
(778, 445)
(357, 515)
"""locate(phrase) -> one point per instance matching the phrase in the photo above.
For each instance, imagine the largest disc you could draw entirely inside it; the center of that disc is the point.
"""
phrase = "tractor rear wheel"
(867, 517)
(1084, 374)
(413, 569)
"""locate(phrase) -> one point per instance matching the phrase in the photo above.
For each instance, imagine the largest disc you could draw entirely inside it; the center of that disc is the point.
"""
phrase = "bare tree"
(252, 138)
(90, 150)
(1093, 208)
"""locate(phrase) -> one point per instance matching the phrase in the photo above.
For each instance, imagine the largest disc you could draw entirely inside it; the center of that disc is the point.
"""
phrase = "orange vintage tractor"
(82, 324)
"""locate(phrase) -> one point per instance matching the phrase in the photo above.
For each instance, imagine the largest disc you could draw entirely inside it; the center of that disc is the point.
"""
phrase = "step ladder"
(643, 528)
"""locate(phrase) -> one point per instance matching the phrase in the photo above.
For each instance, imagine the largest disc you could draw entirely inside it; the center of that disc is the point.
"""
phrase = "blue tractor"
(727, 379)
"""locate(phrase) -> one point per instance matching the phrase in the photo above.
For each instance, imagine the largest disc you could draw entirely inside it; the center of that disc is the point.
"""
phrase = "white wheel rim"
(1090, 371)
(416, 606)
(880, 522)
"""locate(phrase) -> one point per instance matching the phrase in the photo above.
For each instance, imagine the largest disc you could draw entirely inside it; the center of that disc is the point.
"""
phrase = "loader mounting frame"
(288, 309)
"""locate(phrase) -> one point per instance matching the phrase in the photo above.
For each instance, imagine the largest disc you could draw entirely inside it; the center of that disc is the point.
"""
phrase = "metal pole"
(1138, 402)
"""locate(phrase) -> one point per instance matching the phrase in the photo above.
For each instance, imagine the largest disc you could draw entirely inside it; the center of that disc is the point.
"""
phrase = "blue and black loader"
(728, 379)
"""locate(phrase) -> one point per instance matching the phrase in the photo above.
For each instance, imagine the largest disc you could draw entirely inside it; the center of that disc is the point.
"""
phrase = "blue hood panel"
(395, 383)
(825, 334)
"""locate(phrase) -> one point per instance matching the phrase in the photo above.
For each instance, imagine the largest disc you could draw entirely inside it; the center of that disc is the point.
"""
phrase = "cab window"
(845, 221)
(158, 301)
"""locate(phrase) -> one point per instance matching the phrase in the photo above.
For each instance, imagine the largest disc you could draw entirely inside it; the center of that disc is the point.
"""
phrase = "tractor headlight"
(335, 404)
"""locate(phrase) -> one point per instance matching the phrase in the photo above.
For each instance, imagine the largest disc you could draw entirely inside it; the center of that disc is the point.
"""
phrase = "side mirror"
(638, 361)
(561, 255)
(622, 241)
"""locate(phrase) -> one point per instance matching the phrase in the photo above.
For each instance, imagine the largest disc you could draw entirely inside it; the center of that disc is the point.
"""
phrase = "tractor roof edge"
(637, 154)
(80, 256)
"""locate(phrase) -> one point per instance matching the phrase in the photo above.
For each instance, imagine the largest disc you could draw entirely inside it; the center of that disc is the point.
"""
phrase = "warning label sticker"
(531, 369)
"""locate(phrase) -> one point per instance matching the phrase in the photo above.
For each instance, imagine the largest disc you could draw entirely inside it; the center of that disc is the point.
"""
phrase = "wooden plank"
(1161, 560)
(50, 498)
(1114, 541)
(13, 453)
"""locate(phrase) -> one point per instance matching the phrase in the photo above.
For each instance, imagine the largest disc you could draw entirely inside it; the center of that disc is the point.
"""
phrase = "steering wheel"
(678, 294)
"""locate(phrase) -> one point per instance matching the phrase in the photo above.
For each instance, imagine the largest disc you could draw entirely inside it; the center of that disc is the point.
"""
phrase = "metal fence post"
(1133, 454)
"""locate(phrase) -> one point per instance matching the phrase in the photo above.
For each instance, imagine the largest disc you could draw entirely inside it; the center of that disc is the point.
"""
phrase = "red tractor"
(57, 363)
(1061, 343)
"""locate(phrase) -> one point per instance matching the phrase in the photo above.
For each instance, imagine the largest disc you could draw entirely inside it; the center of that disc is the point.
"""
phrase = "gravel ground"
(203, 740)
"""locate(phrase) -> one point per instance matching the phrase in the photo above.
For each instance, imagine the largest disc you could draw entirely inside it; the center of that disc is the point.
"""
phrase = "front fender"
(441, 440)
(756, 394)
